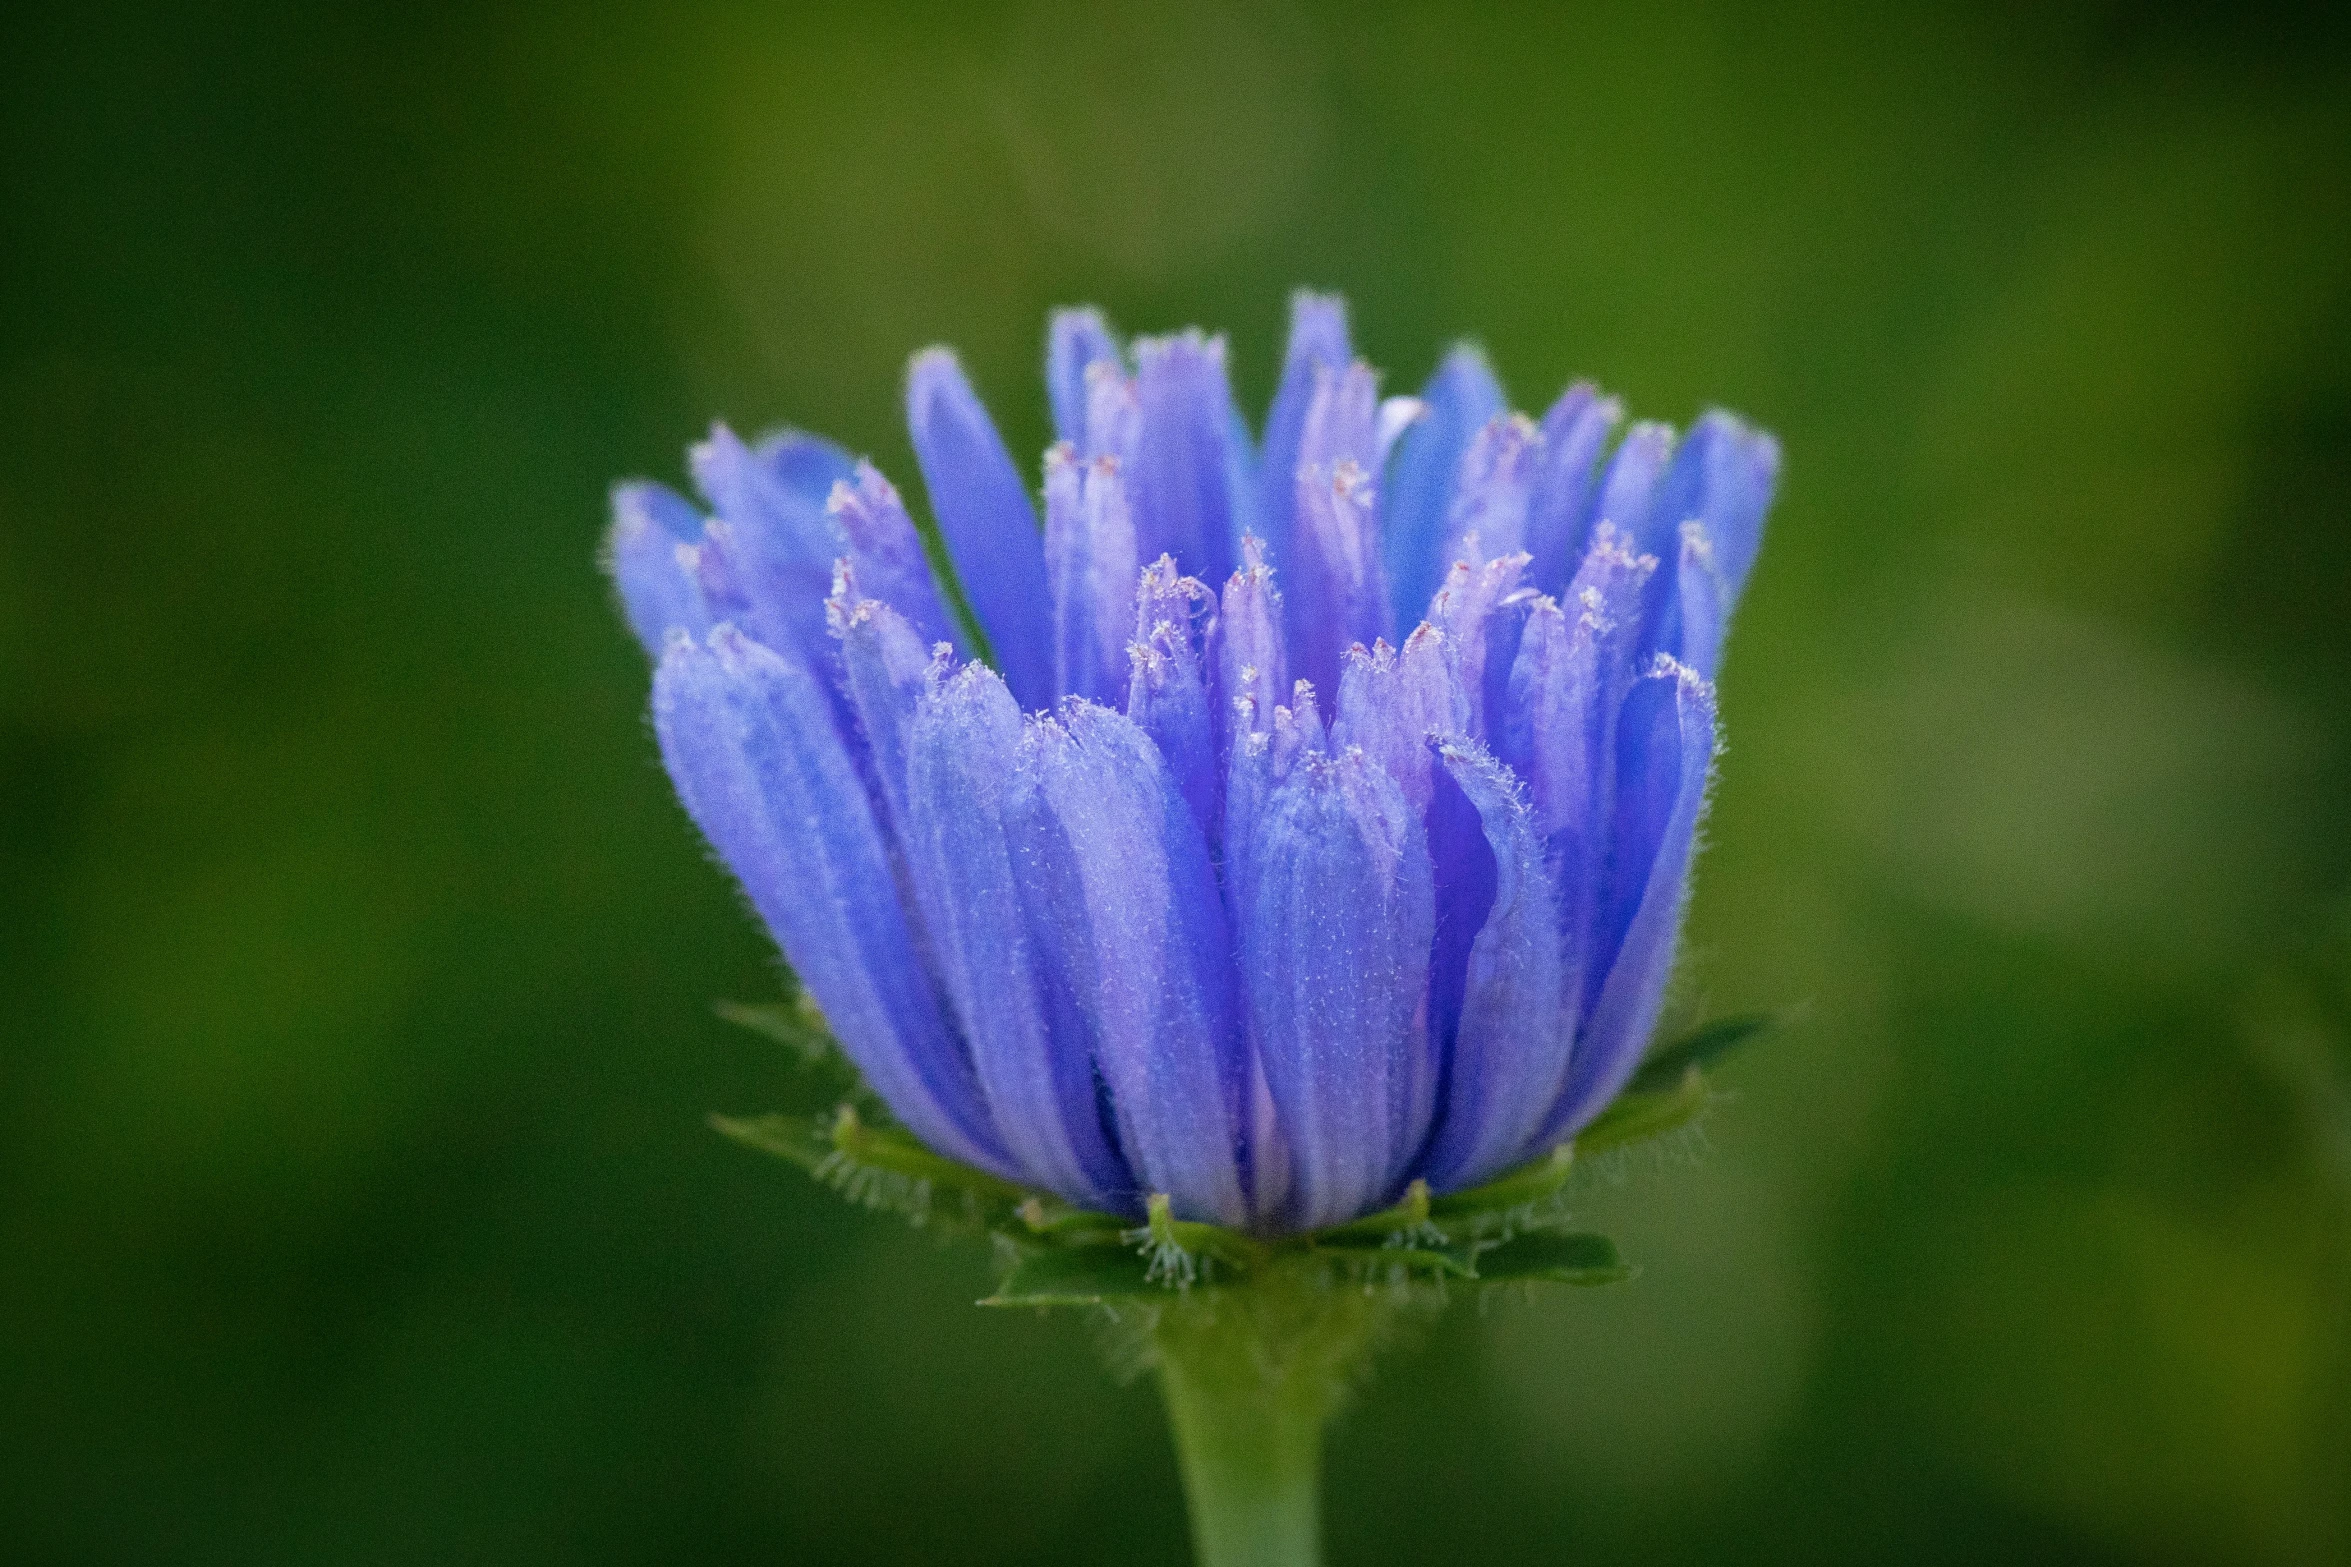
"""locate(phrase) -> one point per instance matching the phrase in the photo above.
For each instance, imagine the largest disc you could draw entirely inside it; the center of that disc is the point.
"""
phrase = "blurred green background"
(355, 1199)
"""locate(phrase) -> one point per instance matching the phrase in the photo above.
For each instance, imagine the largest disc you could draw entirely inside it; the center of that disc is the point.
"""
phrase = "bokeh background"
(356, 1203)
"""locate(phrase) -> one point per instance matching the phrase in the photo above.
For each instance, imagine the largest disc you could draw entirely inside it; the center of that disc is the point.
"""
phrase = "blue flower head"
(1315, 817)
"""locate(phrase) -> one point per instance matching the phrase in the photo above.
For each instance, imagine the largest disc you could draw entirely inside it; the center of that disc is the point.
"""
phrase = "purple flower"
(1322, 813)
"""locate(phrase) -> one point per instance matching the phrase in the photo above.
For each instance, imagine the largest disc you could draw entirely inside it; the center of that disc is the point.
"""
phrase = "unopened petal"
(1489, 512)
(1721, 480)
(1391, 702)
(1252, 662)
(1091, 565)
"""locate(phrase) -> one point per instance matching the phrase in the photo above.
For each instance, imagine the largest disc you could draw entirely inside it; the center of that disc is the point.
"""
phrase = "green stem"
(1252, 1371)
(1252, 1466)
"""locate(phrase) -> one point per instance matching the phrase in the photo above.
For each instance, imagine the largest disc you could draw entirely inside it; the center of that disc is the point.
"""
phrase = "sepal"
(1669, 1090)
(1637, 1118)
(1664, 1066)
(1109, 1276)
(1553, 1257)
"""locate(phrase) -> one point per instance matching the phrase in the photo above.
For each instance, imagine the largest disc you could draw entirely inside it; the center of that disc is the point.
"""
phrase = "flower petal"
(888, 553)
(1318, 345)
(967, 842)
(780, 544)
(1721, 480)
(1574, 665)
(1337, 576)
(1567, 688)
(749, 743)
(985, 516)
(887, 667)
(1335, 947)
(1472, 609)
(1416, 497)
(1167, 686)
(1510, 1049)
(1723, 475)
(1181, 482)
(1252, 665)
(657, 592)
(1665, 758)
(1628, 487)
(1699, 603)
(1489, 512)
(1075, 341)
(1567, 483)
(1390, 702)
(1090, 562)
(1126, 909)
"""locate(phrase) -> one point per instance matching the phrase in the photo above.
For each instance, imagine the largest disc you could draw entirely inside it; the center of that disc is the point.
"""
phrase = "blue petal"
(1391, 702)
(1075, 341)
(750, 746)
(984, 515)
(657, 592)
(1114, 421)
(887, 668)
(1298, 730)
(1257, 761)
(1167, 687)
(888, 554)
(1567, 483)
(1240, 473)
(1723, 476)
(967, 846)
(802, 466)
(1180, 482)
(1127, 909)
(780, 544)
(1252, 665)
(1698, 603)
(1091, 564)
(1665, 757)
(1628, 488)
(1391, 705)
(1416, 502)
(1567, 688)
(1721, 480)
(1497, 475)
(1335, 947)
(1510, 1048)
(1337, 578)
(1471, 608)
(1318, 345)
